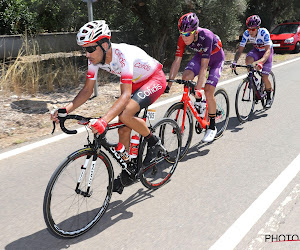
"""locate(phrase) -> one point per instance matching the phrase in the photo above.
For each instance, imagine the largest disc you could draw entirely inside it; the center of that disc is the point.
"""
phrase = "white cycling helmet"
(92, 32)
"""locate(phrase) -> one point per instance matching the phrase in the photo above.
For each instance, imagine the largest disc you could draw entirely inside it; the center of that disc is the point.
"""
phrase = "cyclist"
(209, 54)
(262, 51)
(142, 82)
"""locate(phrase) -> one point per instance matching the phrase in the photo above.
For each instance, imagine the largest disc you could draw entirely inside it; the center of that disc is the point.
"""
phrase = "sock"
(152, 139)
(212, 118)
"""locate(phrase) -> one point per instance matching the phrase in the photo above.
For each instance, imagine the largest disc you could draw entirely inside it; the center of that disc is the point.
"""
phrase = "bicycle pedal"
(198, 128)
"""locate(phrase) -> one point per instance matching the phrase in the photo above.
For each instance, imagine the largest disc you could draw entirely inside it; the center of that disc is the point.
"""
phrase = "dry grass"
(30, 73)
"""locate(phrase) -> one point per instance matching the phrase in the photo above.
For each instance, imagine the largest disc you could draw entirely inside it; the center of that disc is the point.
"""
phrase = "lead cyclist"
(142, 82)
(262, 51)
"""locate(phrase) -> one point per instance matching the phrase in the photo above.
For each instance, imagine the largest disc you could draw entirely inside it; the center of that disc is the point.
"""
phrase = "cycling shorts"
(148, 91)
(256, 55)
(216, 62)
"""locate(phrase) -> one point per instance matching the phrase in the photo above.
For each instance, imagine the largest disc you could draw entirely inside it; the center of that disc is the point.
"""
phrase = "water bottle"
(256, 81)
(197, 104)
(202, 108)
(134, 146)
(120, 148)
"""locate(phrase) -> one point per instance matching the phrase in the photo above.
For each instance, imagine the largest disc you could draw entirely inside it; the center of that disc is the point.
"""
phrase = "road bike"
(183, 111)
(80, 189)
(250, 91)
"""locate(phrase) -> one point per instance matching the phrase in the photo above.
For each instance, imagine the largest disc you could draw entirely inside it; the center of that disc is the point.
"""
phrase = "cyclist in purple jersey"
(209, 54)
(262, 51)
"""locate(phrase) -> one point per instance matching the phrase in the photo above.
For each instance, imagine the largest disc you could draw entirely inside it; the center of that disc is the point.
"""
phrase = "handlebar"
(81, 120)
(189, 83)
(249, 66)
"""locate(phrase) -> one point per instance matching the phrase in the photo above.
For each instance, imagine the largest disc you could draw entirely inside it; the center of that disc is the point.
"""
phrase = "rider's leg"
(135, 123)
(209, 91)
(266, 81)
(249, 60)
(124, 136)
(188, 75)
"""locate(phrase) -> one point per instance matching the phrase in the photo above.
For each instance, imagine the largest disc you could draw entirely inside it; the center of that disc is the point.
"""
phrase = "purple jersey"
(207, 44)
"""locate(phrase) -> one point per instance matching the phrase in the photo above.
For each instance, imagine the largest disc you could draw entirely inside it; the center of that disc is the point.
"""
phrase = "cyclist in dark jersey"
(209, 53)
(142, 82)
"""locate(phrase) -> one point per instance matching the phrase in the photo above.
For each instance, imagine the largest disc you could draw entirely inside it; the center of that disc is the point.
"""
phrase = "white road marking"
(60, 137)
(232, 237)
(273, 224)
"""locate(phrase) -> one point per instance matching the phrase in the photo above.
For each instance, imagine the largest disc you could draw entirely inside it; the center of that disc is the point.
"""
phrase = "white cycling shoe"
(209, 135)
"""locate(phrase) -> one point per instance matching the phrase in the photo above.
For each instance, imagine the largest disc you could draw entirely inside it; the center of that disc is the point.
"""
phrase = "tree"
(15, 17)
(273, 12)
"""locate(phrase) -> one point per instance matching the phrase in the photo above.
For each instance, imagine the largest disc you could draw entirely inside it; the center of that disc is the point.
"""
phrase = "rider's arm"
(82, 96)
(175, 67)
(238, 53)
(202, 73)
(120, 104)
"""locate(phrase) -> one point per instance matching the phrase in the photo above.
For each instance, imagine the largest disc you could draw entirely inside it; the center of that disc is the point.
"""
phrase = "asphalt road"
(232, 193)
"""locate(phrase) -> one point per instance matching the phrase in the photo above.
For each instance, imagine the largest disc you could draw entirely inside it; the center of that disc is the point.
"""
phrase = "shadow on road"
(116, 212)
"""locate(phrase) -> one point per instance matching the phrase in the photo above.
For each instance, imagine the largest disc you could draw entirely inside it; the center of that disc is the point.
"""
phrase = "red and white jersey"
(129, 62)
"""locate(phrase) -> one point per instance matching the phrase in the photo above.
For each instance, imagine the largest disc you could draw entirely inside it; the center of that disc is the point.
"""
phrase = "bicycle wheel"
(157, 174)
(222, 114)
(176, 112)
(244, 100)
(70, 208)
(273, 84)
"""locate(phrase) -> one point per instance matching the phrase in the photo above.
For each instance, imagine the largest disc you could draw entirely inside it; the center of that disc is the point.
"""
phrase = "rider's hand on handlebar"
(233, 65)
(259, 66)
(55, 113)
(98, 125)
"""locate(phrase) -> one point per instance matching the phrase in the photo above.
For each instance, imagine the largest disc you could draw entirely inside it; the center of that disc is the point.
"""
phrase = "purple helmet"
(188, 22)
(253, 21)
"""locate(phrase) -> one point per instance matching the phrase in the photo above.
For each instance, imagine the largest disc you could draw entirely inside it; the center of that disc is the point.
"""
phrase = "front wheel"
(159, 172)
(244, 100)
(185, 123)
(78, 193)
(222, 114)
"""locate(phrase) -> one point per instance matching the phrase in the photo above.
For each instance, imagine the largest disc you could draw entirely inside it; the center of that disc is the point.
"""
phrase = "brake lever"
(54, 125)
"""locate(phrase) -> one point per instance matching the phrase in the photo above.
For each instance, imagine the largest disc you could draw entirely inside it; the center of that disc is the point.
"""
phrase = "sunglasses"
(90, 49)
(187, 34)
(252, 29)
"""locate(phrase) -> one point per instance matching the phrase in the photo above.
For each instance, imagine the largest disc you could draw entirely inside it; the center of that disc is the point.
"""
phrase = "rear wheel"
(244, 100)
(222, 115)
(273, 84)
(176, 112)
(159, 172)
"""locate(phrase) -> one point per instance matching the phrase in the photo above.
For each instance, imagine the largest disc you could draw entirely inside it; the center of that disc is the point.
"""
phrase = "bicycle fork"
(83, 169)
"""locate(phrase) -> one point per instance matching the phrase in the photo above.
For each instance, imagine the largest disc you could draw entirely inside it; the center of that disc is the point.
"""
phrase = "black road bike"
(80, 189)
(251, 91)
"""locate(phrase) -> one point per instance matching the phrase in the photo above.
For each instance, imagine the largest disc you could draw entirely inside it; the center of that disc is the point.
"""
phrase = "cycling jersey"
(260, 41)
(207, 44)
(129, 62)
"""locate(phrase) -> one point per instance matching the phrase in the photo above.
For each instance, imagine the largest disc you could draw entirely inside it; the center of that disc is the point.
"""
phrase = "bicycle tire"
(159, 173)
(222, 112)
(69, 214)
(273, 83)
(176, 112)
(244, 107)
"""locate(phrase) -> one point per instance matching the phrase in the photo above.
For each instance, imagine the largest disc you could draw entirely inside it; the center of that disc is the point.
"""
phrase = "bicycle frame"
(259, 93)
(98, 141)
(186, 100)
